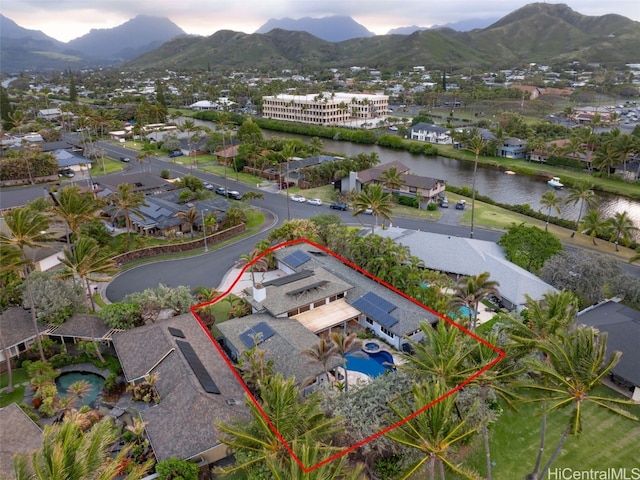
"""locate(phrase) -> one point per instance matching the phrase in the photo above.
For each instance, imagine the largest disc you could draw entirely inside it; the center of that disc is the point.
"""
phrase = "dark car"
(175, 154)
(124, 159)
(339, 206)
(285, 185)
(460, 205)
(235, 195)
(221, 191)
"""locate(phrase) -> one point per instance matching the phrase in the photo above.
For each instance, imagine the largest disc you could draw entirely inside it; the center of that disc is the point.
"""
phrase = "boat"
(509, 172)
(555, 183)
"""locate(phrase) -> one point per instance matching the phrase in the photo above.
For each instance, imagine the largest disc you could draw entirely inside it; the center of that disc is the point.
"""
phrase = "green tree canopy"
(529, 247)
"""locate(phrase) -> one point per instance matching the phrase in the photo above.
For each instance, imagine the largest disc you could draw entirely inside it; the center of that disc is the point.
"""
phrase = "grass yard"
(14, 397)
(19, 376)
(515, 438)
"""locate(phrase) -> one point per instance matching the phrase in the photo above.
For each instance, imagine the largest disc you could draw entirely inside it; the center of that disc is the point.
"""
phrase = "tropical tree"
(373, 198)
(190, 217)
(74, 207)
(322, 353)
(391, 178)
(68, 452)
(281, 416)
(127, 202)
(27, 229)
(470, 291)
(255, 367)
(577, 363)
(595, 224)
(621, 227)
(434, 433)
(256, 261)
(344, 344)
(581, 193)
(550, 201)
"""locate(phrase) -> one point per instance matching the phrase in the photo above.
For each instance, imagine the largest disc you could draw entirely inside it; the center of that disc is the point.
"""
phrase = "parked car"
(314, 201)
(339, 206)
(124, 159)
(368, 211)
(460, 205)
(221, 191)
(298, 198)
(177, 153)
(444, 203)
(208, 186)
(285, 185)
(66, 172)
(234, 194)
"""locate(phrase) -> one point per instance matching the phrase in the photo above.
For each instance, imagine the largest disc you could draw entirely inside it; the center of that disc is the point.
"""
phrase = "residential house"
(461, 257)
(425, 188)
(195, 384)
(20, 435)
(427, 132)
(512, 148)
(323, 294)
(18, 332)
(82, 327)
(629, 170)
(622, 325)
(72, 160)
(49, 114)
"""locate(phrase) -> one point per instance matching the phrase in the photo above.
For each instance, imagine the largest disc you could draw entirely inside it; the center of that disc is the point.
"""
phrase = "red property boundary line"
(307, 469)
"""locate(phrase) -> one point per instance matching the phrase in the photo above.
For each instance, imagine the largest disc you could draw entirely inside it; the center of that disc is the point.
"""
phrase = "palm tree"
(254, 366)
(581, 193)
(79, 389)
(128, 202)
(344, 344)
(621, 227)
(476, 145)
(391, 179)
(550, 201)
(595, 224)
(280, 417)
(545, 319)
(74, 207)
(434, 433)
(257, 262)
(322, 352)
(470, 291)
(190, 217)
(577, 363)
(373, 197)
(71, 453)
(27, 229)
(87, 261)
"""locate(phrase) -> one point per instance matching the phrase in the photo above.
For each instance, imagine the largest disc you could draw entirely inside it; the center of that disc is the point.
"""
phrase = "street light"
(204, 229)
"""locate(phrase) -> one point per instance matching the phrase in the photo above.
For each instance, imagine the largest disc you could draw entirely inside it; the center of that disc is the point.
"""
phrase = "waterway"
(509, 189)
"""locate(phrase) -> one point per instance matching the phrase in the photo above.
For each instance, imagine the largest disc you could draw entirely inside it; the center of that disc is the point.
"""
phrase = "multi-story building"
(349, 109)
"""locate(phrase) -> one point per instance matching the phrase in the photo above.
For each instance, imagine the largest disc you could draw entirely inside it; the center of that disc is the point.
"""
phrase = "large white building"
(354, 109)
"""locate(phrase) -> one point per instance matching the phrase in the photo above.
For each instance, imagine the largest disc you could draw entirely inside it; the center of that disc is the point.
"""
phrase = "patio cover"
(327, 316)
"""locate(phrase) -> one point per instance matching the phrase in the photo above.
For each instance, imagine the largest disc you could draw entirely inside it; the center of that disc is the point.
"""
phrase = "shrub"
(174, 468)
(165, 174)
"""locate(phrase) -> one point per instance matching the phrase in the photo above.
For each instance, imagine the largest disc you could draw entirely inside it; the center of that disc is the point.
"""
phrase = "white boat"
(509, 172)
(555, 183)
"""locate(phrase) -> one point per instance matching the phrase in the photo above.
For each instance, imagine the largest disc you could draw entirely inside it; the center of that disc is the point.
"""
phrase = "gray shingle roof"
(465, 256)
(82, 326)
(284, 347)
(623, 327)
(16, 326)
(182, 424)
(18, 434)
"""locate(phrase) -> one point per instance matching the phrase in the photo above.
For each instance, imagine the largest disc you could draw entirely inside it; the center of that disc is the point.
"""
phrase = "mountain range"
(538, 32)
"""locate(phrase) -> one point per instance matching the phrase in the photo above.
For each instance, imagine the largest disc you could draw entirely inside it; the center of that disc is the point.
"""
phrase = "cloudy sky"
(68, 19)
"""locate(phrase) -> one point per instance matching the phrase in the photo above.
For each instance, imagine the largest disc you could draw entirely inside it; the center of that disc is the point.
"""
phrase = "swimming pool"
(464, 312)
(369, 363)
(64, 381)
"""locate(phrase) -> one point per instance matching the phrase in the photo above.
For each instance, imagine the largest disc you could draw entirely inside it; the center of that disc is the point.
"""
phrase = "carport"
(328, 316)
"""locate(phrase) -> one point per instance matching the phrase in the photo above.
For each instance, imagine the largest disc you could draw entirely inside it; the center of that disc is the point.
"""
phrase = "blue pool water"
(65, 380)
(369, 363)
(463, 312)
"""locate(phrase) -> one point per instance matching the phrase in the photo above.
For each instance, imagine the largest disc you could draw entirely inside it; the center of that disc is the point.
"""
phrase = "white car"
(314, 201)
(368, 211)
(298, 198)
(208, 186)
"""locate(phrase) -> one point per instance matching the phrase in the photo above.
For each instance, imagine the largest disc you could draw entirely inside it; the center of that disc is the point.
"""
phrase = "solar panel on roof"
(196, 365)
(278, 282)
(297, 258)
(176, 332)
(374, 313)
(319, 284)
(256, 335)
(379, 302)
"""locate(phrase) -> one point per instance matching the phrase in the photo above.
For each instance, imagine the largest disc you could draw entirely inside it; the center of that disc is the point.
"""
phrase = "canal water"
(509, 189)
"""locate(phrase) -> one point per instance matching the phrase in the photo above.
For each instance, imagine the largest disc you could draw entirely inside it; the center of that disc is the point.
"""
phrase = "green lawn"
(19, 376)
(14, 397)
(515, 438)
